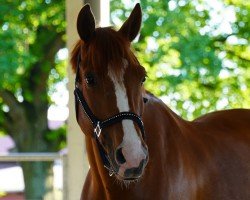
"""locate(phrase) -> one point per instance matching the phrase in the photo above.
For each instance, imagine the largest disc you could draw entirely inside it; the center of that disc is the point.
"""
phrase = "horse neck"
(180, 149)
(176, 133)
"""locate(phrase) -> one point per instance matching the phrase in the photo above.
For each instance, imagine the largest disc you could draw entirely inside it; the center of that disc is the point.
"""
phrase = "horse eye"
(89, 79)
(143, 80)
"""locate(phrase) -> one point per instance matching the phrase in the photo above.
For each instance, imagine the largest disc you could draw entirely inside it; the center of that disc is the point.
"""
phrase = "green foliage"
(57, 136)
(31, 34)
(1, 133)
(196, 54)
(24, 26)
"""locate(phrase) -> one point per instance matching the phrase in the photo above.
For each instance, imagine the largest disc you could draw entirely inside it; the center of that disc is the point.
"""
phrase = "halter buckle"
(98, 130)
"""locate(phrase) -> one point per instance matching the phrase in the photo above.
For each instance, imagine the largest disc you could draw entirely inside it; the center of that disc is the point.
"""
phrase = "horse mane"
(106, 47)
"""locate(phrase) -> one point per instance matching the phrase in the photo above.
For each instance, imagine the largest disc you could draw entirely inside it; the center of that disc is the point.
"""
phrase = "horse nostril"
(119, 156)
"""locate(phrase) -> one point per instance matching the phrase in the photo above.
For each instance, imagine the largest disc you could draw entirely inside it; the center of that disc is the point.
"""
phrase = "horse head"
(110, 83)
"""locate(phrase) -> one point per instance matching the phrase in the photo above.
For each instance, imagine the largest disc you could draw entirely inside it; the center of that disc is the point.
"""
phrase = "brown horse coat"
(208, 158)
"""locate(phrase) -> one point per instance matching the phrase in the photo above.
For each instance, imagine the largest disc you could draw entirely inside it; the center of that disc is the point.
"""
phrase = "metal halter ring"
(98, 130)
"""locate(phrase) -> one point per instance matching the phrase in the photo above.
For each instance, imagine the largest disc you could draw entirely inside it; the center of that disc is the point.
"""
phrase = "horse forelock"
(106, 50)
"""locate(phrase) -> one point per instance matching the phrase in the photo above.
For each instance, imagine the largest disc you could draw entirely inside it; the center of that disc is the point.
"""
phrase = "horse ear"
(86, 23)
(132, 25)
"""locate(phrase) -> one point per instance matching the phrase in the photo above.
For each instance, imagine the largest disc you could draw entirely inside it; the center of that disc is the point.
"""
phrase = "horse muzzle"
(133, 173)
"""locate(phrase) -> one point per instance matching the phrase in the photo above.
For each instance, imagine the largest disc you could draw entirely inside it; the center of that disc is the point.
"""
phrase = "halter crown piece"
(97, 124)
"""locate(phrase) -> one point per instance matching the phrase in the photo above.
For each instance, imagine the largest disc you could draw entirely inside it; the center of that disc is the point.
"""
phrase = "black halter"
(98, 124)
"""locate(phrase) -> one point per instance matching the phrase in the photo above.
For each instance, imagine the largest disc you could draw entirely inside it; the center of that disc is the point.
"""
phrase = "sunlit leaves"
(26, 29)
(196, 52)
(19, 25)
(31, 33)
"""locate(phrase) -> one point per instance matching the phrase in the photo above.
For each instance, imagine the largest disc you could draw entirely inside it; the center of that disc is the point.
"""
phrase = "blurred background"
(196, 53)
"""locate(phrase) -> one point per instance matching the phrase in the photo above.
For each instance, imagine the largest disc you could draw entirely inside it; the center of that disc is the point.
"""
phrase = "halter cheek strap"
(97, 124)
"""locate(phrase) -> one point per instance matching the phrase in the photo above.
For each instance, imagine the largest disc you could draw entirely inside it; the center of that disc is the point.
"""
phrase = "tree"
(31, 34)
(196, 52)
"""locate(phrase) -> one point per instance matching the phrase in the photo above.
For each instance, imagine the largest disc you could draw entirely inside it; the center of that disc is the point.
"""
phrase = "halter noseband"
(98, 124)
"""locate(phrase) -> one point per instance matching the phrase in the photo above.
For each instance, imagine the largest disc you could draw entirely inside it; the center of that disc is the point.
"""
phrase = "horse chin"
(127, 181)
(121, 178)
(121, 175)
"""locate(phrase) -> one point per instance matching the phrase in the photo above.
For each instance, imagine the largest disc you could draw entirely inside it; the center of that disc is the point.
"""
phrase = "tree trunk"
(38, 176)
(38, 180)
(35, 174)
(27, 122)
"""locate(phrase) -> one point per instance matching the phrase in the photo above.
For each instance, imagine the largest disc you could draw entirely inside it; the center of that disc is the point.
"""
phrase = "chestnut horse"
(137, 147)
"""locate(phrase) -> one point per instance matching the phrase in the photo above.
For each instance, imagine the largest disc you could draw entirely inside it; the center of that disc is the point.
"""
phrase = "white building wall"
(78, 166)
(77, 163)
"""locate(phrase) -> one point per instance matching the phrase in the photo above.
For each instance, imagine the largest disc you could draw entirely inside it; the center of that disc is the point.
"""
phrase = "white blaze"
(131, 143)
